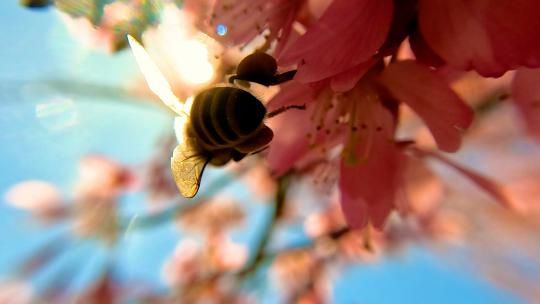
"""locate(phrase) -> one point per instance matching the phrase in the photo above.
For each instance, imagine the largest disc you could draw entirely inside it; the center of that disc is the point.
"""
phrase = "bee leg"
(255, 142)
(263, 79)
(283, 109)
(221, 157)
(239, 81)
(260, 150)
(238, 156)
(283, 77)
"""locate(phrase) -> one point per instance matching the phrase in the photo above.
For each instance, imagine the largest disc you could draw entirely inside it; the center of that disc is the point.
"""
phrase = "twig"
(283, 184)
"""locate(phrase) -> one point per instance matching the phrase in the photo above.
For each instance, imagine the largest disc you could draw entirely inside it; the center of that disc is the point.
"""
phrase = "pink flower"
(363, 120)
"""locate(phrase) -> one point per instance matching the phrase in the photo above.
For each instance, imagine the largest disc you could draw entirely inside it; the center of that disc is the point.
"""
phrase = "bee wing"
(187, 168)
(153, 76)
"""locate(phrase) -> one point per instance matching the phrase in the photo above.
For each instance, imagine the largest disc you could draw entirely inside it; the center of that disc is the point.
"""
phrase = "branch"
(283, 185)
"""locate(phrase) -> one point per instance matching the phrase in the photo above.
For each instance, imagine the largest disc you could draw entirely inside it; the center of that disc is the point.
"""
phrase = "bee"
(222, 123)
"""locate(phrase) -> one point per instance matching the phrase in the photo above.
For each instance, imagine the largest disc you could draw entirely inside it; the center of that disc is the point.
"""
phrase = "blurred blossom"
(101, 178)
(294, 269)
(259, 180)
(16, 292)
(447, 226)
(214, 215)
(38, 197)
(156, 177)
(423, 188)
(96, 219)
(193, 263)
(104, 25)
(366, 245)
(321, 223)
(99, 184)
(183, 265)
(527, 99)
(230, 256)
(90, 36)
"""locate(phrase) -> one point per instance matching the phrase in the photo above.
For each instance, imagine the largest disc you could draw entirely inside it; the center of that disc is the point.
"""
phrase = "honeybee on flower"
(221, 123)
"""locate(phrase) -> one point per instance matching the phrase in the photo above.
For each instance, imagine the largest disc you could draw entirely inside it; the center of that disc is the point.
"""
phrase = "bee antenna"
(285, 108)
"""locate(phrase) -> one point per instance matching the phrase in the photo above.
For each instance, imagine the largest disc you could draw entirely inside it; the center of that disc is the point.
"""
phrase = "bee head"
(258, 67)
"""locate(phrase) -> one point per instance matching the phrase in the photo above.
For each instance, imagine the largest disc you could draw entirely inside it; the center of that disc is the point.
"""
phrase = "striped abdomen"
(224, 117)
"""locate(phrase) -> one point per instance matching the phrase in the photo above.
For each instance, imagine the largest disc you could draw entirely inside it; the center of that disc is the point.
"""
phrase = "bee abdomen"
(245, 112)
(224, 116)
(206, 138)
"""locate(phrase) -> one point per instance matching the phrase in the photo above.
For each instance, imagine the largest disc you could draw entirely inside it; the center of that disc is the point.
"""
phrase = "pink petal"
(283, 20)
(526, 97)
(291, 93)
(488, 185)
(489, 36)
(514, 28)
(243, 21)
(368, 190)
(239, 22)
(345, 81)
(445, 114)
(422, 51)
(348, 33)
(290, 142)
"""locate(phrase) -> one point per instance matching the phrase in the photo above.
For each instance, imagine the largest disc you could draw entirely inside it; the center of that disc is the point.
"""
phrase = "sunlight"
(189, 55)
